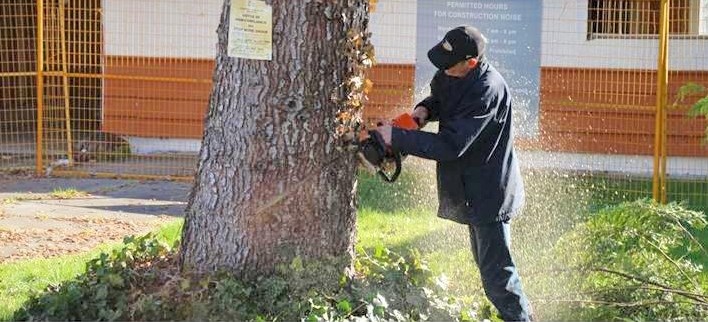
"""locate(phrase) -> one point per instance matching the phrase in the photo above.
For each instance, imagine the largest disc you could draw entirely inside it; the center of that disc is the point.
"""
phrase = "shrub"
(100, 294)
(631, 261)
(141, 281)
(700, 107)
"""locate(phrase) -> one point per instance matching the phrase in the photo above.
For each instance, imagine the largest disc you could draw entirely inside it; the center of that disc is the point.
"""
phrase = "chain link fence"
(120, 87)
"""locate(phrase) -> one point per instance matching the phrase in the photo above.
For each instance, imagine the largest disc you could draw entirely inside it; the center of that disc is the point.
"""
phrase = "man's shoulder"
(493, 79)
(492, 73)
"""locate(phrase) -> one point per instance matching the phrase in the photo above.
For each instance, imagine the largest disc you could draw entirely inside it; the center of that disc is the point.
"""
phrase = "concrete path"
(42, 218)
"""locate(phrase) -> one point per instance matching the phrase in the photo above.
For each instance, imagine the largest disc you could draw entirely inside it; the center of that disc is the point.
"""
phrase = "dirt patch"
(48, 217)
(85, 234)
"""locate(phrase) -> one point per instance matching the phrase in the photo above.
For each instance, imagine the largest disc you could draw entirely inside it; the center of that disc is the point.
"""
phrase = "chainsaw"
(376, 156)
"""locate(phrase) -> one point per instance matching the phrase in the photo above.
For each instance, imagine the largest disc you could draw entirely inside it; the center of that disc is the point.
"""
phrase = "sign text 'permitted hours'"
(513, 29)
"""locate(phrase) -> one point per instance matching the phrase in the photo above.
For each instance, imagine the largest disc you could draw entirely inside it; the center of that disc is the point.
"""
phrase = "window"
(631, 18)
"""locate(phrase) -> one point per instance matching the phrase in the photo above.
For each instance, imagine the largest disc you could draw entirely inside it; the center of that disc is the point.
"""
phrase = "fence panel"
(598, 97)
(126, 85)
(142, 77)
(687, 149)
(18, 93)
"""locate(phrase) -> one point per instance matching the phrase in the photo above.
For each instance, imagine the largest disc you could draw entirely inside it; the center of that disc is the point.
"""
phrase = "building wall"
(164, 28)
(146, 108)
(565, 43)
(393, 27)
(177, 39)
(596, 95)
(612, 111)
(599, 95)
(703, 24)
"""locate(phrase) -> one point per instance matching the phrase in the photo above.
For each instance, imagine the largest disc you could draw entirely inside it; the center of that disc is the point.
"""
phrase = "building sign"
(251, 30)
(513, 29)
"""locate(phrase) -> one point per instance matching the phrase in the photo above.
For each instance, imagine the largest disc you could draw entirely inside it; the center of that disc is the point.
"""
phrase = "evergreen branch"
(696, 297)
(672, 261)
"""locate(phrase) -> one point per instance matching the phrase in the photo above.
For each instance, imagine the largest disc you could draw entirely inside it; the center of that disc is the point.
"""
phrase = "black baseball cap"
(459, 44)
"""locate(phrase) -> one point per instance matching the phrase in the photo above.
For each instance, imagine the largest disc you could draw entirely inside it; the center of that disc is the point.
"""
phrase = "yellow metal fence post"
(65, 79)
(40, 87)
(662, 80)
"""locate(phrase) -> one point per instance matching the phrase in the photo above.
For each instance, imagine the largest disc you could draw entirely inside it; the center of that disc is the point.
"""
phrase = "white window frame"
(697, 26)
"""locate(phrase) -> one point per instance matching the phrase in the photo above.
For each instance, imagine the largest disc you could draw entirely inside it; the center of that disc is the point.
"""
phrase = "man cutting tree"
(478, 176)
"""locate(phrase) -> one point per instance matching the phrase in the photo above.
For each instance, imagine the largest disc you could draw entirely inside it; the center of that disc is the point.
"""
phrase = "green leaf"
(296, 265)
(379, 311)
(379, 252)
(344, 306)
(114, 280)
(689, 89)
(101, 292)
(699, 108)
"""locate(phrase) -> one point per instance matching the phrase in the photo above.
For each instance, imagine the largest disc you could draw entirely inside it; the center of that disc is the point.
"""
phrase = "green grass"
(57, 193)
(402, 216)
(693, 194)
(67, 193)
(18, 280)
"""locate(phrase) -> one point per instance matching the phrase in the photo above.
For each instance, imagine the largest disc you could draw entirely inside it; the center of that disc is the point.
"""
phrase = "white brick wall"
(703, 23)
(161, 28)
(565, 44)
(187, 28)
(393, 28)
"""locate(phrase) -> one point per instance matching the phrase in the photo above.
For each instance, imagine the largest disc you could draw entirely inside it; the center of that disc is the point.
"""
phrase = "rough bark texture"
(273, 182)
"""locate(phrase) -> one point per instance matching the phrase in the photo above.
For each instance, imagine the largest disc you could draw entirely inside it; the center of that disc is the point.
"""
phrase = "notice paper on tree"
(251, 30)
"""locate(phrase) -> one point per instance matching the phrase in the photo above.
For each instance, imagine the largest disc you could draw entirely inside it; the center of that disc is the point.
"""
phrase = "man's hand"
(421, 113)
(385, 131)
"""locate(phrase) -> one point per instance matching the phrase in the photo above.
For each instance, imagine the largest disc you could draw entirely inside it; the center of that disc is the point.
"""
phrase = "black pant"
(490, 247)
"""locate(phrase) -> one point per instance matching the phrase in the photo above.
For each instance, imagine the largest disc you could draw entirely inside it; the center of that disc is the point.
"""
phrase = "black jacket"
(478, 175)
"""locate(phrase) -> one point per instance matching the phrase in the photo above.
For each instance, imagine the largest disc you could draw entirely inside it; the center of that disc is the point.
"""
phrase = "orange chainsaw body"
(404, 121)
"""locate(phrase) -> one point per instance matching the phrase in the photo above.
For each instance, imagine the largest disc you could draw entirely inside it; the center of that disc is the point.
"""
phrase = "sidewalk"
(41, 218)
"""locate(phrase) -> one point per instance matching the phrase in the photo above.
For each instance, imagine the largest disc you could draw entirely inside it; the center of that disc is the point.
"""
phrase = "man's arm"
(455, 136)
(450, 143)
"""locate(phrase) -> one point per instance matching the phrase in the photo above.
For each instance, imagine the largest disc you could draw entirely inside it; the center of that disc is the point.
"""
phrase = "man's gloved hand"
(420, 114)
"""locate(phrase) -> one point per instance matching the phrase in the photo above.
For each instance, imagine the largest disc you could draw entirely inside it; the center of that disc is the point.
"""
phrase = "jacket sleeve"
(453, 139)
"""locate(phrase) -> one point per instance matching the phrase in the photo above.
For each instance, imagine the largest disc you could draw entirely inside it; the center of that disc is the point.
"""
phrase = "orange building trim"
(150, 108)
(582, 110)
(612, 111)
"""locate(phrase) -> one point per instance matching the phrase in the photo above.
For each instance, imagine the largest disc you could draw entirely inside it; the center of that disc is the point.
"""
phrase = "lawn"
(402, 216)
(19, 279)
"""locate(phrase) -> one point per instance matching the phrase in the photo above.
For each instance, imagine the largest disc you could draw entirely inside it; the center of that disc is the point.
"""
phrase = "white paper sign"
(251, 30)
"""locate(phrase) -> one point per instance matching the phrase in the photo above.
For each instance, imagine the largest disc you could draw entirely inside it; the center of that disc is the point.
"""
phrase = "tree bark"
(275, 180)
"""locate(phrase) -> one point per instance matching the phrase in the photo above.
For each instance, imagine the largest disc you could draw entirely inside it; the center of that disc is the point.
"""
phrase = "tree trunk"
(274, 181)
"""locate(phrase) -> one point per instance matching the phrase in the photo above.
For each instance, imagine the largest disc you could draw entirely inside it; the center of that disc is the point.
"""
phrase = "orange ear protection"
(472, 62)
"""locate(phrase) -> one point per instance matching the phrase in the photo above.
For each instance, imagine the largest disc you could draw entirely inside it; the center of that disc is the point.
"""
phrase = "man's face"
(460, 69)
